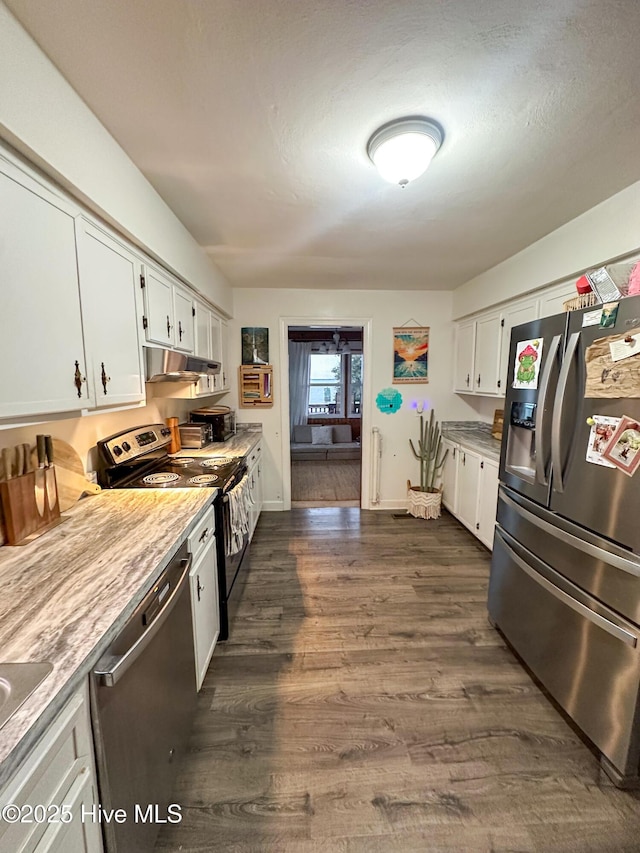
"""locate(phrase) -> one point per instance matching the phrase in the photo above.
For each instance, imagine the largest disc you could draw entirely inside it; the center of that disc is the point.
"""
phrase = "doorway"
(326, 370)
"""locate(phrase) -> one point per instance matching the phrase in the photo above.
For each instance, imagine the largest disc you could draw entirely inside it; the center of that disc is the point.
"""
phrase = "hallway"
(365, 705)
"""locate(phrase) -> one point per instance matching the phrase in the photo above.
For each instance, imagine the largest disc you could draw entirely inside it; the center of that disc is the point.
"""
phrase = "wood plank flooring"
(324, 482)
(364, 704)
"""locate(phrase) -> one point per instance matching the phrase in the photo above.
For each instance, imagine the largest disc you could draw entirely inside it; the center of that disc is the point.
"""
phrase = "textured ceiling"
(251, 120)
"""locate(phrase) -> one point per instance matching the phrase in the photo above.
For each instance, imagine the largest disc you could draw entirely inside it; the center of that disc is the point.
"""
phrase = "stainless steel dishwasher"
(142, 701)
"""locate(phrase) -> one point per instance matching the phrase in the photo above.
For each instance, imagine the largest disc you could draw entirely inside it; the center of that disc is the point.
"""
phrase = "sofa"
(323, 443)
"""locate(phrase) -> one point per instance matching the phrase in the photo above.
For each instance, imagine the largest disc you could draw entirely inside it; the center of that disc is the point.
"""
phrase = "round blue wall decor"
(389, 401)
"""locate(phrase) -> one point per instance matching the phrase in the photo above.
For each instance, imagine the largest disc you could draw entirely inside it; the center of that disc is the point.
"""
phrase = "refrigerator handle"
(556, 422)
(541, 413)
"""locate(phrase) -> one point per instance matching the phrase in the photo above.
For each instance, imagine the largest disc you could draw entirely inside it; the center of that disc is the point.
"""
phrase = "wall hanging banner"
(613, 377)
(410, 354)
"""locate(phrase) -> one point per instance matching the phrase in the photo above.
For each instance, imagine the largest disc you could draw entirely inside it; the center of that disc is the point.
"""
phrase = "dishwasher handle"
(110, 677)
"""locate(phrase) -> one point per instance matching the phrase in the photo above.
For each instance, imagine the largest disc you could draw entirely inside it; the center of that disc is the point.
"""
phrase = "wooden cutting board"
(70, 476)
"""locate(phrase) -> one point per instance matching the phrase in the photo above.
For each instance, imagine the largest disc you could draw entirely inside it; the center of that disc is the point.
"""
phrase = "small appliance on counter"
(195, 436)
(222, 420)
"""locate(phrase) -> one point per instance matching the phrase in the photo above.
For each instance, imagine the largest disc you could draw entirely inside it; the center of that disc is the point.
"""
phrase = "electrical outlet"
(92, 477)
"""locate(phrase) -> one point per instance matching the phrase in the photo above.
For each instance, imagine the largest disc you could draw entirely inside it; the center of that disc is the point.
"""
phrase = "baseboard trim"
(273, 506)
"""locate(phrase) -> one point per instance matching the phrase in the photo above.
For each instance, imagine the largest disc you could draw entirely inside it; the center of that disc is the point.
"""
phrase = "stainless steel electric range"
(138, 459)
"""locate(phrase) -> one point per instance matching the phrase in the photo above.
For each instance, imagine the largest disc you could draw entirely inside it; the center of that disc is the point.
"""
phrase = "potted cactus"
(425, 499)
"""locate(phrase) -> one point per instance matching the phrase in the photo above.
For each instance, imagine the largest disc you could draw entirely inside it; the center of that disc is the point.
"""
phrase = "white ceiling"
(251, 120)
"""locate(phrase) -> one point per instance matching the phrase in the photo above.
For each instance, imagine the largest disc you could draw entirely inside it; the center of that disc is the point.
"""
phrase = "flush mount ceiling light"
(402, 149)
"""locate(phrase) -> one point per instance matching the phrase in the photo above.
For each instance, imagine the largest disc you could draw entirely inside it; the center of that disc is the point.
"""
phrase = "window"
(335, 385)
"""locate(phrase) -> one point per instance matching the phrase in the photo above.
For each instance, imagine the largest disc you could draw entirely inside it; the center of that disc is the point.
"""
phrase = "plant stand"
(423, 504)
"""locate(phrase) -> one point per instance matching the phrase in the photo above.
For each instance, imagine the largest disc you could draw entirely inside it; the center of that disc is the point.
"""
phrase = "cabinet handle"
(478, 380)
(203, 535)
(468, 380)
(104, 378)
(179, 330)
(78, 379)
(482, 464)
(168, 327)
(454, 453)
(199, 587)
(477, 525)
(499, 382)
(464, 458)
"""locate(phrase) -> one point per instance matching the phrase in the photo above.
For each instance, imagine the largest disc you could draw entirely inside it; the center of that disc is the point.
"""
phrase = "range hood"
(164, 365)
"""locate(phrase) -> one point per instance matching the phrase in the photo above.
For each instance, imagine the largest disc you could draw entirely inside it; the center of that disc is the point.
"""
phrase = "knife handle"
(42, 453)
(28, 465)
(48, 446)
(7, 461)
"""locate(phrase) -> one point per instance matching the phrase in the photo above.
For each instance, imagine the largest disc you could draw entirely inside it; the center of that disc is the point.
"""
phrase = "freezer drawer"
(606, 571)
(585, 655)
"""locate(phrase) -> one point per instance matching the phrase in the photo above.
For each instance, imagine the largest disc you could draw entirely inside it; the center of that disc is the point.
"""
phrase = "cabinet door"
(488, 501)
(468, 485)
(41, 344)
(552, 300)
(108, 276)
(184, 320)
(224, 354)
(463, 359)
(202, 346)
(158, 306)
(450, 477)
(487, 354)
(217, 381)
(521, 312)
(203, 578)
(81, 834)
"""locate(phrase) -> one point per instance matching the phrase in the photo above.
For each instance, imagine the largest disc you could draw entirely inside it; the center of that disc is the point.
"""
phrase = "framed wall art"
(255, 345)
(410, 354)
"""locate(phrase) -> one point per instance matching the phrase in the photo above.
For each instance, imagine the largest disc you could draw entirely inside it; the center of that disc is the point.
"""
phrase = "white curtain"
(299, 372)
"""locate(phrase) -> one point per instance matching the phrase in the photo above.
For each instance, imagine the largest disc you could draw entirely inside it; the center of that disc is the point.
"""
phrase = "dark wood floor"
(364, 704)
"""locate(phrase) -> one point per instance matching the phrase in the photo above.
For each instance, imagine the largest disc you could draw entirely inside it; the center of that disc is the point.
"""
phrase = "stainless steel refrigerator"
(565, 570)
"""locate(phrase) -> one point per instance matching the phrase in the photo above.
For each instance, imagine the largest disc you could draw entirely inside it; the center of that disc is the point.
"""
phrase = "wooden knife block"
(22, 521)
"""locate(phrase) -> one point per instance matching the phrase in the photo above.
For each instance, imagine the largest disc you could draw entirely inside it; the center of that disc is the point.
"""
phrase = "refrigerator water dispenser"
(521, 441)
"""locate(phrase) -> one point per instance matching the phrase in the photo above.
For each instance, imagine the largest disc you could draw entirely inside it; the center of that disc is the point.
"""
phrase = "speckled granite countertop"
(67, 594)
(475, 435)
(240, 444)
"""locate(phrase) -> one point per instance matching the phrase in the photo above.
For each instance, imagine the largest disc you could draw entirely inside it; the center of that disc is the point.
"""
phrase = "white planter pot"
(424, 504)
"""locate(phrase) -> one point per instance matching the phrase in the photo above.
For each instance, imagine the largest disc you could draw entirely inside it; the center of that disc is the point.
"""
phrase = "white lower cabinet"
(450, 477)
(56, 789)
(468, 486)
(203, 580)
(254, 473)
(487, 502)
(470, 490)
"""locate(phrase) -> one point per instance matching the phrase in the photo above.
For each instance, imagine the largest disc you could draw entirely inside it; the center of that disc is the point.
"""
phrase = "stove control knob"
(165, 431)
(117, 450)
(126, 446)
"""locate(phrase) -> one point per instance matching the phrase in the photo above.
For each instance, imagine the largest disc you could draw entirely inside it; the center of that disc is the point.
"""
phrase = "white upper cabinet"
(168, 311)
(202, 346)
(477, 354)
(184, 313)
(513, 315)
(552, 300)
(465, 339)
(224, 355)
(158, 307)
(41, 343)
(487, 354)
(109, 277)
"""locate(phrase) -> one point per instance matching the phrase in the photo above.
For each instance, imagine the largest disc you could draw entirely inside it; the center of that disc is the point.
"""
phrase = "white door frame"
(365, 408)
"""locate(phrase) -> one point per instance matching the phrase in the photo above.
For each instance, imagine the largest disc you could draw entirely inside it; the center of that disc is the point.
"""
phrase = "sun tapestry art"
(410, 354)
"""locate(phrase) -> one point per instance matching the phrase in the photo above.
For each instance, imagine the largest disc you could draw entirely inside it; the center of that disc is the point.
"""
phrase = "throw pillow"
(321, 435)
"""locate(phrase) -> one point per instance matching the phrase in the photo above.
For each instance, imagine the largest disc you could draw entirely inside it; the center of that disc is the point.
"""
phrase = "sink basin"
(17, 683)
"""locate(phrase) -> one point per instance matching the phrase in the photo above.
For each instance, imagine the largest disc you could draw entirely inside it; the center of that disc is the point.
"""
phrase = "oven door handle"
(110, 677)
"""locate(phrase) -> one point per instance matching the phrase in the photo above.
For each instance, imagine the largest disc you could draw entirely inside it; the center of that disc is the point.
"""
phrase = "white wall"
(609, 231)
(44, 119)
(386, 309)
